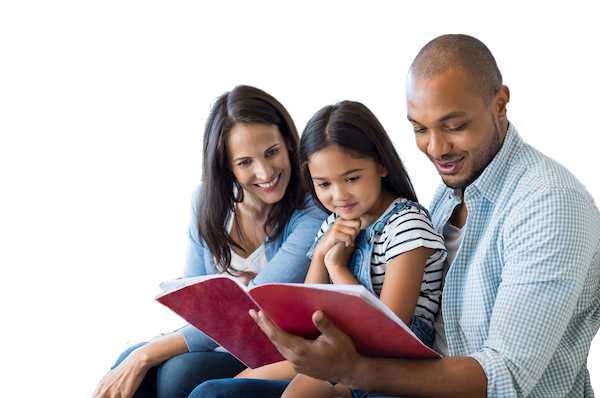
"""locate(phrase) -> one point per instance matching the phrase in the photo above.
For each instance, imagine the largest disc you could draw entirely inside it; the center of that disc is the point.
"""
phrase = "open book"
(218, 305)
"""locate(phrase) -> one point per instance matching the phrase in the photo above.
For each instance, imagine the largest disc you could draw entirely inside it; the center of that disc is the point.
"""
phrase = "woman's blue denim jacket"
(360, 263)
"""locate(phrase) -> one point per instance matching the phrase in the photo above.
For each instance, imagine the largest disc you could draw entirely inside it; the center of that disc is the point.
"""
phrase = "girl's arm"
(274, 371)
(402, 282)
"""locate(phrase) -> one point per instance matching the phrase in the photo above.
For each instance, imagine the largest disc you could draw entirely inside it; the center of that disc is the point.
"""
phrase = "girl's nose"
(339, 193)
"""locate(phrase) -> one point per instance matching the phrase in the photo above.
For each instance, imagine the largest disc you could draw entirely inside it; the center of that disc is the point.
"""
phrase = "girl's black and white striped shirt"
(406, 230)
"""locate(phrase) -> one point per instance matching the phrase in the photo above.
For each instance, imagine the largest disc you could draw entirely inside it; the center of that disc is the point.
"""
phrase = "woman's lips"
(448, 168)
(271, 185)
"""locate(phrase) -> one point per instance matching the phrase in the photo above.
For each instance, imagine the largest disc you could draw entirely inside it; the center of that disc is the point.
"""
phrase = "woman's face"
(258, 156)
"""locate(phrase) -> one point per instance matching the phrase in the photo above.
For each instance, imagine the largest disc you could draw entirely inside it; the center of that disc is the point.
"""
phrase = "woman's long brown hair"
(244, 104)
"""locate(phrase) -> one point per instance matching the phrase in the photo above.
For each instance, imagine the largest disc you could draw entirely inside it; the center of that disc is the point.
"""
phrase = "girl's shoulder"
(403, 210)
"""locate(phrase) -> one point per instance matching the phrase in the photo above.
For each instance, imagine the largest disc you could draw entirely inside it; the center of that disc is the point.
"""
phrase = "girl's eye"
(352, 179)
(323, 184)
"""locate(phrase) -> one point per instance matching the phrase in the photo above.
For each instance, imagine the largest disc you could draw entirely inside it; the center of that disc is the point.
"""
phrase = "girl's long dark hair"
(354, 128)
(244, 104)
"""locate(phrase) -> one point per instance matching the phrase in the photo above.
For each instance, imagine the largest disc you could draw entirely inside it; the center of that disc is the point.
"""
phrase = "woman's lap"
(178, 376)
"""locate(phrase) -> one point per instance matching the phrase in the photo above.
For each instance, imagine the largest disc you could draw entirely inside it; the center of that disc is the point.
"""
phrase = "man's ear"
(501, 98)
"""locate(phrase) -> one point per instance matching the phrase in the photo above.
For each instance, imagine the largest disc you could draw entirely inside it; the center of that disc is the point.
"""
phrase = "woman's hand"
(344, 231)
(124, 380)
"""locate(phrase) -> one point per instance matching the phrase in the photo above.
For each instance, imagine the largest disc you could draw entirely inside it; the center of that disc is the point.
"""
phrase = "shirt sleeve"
(541, 313)
(198, 257)
(327, 223)
(409, 229)
(290, 264)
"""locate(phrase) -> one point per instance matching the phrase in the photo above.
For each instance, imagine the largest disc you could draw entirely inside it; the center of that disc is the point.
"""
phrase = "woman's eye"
(244, 162)
(272, 152)
(352, 179)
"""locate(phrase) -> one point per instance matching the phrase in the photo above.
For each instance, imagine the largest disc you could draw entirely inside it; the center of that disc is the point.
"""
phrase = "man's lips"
(449, 167)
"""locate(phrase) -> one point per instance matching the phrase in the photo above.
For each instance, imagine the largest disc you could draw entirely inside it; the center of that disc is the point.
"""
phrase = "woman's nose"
(263, 171)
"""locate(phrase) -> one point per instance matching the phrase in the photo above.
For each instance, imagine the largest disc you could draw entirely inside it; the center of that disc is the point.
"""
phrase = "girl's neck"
(383, 202)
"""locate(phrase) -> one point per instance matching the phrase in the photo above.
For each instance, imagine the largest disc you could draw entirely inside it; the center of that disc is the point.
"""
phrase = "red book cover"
(219, 305)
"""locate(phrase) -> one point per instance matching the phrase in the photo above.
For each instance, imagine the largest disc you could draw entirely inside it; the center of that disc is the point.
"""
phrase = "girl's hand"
(338, 256)
(344, 231)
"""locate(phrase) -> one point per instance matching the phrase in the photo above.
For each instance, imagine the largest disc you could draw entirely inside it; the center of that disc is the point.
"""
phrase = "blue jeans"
(251, 388)
(178, 376)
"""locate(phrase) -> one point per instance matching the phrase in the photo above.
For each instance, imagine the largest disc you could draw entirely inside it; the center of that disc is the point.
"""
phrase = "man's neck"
(459, 214)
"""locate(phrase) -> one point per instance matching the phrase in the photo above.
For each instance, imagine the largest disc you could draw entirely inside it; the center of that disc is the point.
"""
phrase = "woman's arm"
(289, 263)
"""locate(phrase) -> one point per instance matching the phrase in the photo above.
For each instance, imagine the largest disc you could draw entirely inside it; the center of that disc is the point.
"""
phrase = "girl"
(376, 235)
(250, 217)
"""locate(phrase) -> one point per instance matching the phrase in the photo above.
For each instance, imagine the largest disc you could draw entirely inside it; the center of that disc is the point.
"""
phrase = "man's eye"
(419, 130)
(459, 128)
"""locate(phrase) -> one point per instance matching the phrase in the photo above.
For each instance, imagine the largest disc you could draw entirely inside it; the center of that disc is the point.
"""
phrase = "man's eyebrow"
(451, 115)
(341, 175)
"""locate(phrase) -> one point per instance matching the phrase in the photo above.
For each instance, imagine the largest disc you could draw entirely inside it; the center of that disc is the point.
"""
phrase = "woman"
(250, 218)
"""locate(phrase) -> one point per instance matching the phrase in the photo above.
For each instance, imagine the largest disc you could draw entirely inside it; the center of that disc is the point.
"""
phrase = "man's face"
(455, 128)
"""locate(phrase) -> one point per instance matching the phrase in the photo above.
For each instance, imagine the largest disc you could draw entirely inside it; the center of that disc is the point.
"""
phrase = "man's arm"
(333, 357)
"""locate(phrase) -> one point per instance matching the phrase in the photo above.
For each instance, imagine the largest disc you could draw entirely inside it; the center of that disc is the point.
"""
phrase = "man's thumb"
(325, 326)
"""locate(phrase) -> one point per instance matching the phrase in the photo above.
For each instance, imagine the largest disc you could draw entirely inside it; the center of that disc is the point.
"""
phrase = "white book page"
(176, 284)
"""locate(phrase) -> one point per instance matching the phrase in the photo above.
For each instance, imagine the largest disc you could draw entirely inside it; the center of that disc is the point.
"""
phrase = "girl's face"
(348, 186)
(258, 157)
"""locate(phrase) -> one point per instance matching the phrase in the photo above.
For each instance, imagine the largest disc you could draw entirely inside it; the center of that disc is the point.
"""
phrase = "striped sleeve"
(408, 230)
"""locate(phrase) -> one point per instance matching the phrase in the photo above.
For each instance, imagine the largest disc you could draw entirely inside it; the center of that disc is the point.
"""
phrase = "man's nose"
(438, 144)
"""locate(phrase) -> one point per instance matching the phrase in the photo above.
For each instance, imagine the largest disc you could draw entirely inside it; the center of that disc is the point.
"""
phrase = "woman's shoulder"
(309, 209)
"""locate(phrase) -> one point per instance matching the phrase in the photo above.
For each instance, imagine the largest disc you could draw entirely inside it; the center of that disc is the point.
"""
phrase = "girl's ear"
(383, 171)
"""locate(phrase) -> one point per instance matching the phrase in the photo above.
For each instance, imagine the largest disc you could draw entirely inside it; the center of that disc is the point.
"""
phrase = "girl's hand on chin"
(338, 256)
(344, 231)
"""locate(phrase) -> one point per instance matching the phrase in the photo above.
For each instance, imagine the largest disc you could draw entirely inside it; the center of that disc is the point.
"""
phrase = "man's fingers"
(283, 341)
(326, 327)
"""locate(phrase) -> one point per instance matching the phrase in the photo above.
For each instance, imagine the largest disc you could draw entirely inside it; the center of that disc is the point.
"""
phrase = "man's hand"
(329, 357)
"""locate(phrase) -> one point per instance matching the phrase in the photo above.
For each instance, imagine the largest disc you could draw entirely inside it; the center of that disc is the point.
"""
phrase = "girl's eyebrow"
(341, 175)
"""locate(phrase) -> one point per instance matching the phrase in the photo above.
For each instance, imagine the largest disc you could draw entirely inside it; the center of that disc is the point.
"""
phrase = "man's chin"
(456, 184)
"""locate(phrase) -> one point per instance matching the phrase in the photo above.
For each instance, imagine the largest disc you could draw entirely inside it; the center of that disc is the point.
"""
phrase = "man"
(521, 295)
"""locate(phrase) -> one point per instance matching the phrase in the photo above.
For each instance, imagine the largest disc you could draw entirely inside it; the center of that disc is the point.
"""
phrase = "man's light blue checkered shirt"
(522, 296)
